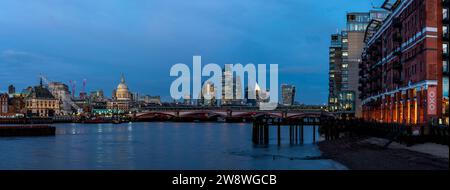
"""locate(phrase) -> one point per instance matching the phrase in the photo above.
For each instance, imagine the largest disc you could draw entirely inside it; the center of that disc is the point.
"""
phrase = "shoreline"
(365, 153)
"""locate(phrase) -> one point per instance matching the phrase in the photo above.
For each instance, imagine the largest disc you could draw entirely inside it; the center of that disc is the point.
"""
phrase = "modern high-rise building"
(345, 56)
(208, 95)
(402, 64)
(288, 94)
(231, 88)
(11, 89)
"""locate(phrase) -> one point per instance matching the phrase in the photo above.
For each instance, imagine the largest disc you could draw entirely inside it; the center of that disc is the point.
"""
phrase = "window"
(345, 54)
(349, 96)
(445, 13)
(445, 66)
(445, 48)
(344, 66)
(445, 30)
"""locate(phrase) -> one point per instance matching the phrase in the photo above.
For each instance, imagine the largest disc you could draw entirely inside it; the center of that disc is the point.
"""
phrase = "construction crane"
(64, 98)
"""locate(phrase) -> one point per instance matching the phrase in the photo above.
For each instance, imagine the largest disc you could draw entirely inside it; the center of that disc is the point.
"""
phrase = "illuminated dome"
(122, 92)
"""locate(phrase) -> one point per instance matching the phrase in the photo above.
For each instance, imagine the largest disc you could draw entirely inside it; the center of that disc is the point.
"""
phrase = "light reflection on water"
(171, 146)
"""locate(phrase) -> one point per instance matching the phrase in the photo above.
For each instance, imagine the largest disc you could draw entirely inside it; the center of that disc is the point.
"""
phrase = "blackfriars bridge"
(229, 113)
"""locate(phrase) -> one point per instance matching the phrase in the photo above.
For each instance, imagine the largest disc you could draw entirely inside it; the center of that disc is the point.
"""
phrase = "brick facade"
(402, 65)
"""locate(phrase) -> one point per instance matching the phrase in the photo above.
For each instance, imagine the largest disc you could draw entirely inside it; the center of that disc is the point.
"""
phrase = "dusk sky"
(98, 40)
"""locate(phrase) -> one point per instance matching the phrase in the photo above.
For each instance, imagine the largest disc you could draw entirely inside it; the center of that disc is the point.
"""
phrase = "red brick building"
(401, 70)
(3, 104)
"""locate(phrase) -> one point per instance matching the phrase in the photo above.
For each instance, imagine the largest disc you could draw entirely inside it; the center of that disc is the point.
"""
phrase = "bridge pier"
(314, 134)
(279, 134)
(302, 135)
(260, 133)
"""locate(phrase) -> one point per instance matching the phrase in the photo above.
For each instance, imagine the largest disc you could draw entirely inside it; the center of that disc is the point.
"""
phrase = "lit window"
(445, 66)
(349, 96)
(445, 30)
(345, 54)
(445, 13)
(445, 48)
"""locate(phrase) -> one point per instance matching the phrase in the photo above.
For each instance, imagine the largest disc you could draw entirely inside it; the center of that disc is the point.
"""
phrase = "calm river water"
(159, 146)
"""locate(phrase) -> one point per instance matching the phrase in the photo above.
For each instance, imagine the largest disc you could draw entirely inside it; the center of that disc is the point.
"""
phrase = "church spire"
(122, 79)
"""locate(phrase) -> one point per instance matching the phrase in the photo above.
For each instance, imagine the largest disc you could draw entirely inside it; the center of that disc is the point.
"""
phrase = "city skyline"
(71, 42)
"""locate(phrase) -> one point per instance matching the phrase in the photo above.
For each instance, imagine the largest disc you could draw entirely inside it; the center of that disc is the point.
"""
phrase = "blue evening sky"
(98, 40)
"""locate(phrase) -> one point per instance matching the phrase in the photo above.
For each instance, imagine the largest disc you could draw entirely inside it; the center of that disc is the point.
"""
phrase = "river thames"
(159, 146)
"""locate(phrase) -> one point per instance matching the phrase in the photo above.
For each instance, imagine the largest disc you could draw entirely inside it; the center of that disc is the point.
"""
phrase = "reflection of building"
(121, 98)
(401, 71)
(287, 94)
(40, 102)
(61, 92)
(3, 104)
(345, 56)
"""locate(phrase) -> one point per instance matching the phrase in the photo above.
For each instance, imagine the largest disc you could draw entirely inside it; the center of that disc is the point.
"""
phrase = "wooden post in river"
(279, 134)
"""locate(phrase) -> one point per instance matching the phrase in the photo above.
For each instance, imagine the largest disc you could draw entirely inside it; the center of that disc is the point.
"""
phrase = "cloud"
(19, 67)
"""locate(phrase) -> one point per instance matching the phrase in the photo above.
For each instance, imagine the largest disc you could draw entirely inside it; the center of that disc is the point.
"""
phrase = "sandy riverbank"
(369, 154)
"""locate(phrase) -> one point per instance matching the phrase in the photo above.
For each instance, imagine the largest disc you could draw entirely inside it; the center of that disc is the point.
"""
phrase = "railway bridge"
(227, 113)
